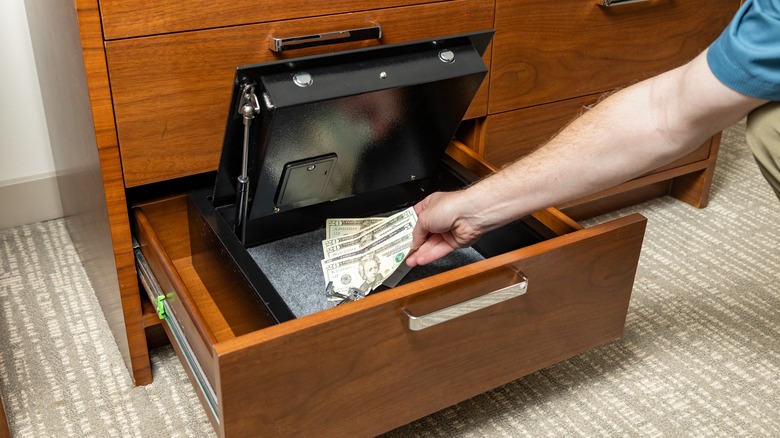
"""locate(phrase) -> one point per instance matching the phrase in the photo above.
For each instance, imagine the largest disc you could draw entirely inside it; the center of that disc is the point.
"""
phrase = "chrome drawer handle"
(610, 3)
(422, 322)
(321, 39)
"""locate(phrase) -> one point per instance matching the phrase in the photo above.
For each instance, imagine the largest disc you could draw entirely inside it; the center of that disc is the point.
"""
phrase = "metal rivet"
(302, 79)
(312, 167)
(447, 56)
(413, 177)
(383, 75)
(276, 210)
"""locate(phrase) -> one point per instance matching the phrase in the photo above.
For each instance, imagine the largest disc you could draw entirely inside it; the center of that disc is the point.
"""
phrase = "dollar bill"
(347, 226)
(373, 232)
(367, 243)
(369, 268)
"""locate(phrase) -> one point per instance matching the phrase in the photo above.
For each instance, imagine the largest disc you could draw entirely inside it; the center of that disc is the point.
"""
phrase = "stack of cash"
(363, 253)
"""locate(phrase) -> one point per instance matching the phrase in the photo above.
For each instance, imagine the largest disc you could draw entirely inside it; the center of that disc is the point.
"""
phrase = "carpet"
(700, 355)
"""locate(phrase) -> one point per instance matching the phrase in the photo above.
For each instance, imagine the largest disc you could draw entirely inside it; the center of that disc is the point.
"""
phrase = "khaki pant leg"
(763, 137)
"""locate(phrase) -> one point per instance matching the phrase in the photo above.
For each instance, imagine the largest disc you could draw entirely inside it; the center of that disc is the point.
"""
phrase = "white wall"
(26, 164)
(24, 141)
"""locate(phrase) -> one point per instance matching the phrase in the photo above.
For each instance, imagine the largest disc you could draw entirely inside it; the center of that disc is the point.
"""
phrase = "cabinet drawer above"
(131, 18)
(551, 50)
(514, 134)
(171, 93)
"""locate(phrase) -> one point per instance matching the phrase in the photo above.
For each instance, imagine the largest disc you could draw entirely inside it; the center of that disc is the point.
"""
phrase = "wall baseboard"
(29, 200)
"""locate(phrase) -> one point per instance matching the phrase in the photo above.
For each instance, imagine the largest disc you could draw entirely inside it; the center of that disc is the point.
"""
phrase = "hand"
(442, 227)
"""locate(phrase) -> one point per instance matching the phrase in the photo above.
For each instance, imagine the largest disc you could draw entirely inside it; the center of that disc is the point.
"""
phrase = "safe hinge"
(248, 104)
(248, 107)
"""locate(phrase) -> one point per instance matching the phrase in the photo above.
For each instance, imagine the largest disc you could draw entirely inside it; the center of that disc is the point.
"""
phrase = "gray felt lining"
(292, 266)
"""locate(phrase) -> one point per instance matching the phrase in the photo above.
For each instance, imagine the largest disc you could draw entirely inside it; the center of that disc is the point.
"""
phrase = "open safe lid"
(323, 128)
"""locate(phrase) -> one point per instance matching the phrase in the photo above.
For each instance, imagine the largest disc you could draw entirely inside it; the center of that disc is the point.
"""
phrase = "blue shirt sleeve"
(746, 56)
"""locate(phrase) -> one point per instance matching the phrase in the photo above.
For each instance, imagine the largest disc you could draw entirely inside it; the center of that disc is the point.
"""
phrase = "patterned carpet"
(700, 355)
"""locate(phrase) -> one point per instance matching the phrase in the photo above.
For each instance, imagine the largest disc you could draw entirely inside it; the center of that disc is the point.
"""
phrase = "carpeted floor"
(700, 355)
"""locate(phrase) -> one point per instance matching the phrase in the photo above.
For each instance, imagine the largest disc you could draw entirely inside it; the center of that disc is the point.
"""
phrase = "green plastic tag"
(160, 307)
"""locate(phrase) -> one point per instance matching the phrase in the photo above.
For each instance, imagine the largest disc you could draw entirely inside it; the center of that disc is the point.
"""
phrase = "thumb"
(421, 231)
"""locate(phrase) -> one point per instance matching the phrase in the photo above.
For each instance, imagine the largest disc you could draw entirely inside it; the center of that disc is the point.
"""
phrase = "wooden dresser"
(159, 77)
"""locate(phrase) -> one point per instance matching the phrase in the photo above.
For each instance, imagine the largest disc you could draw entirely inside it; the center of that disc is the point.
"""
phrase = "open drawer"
(369, 366)
(352, 135)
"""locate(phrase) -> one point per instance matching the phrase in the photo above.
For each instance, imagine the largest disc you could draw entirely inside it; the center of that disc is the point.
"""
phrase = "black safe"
(349, 134)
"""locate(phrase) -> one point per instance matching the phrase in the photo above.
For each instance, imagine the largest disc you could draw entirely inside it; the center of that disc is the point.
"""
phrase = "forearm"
(630, 133)
(614, 141)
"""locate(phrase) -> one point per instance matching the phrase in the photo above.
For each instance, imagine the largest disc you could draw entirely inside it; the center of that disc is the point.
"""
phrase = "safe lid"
(327, 127)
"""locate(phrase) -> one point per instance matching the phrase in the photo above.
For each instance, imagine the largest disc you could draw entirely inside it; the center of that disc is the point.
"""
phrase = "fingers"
(431, 237)
(434, 248)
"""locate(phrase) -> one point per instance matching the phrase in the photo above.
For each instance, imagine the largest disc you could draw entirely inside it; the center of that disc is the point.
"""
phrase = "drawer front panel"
(545, 51)
(363, 359)
(514, 134)
(130, 18)
(171, 93)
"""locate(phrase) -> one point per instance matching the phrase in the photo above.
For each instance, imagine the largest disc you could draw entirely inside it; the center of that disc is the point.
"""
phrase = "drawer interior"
(578, 289)
(292, 266)
(281, 259)
(224, 310)
(231, 294)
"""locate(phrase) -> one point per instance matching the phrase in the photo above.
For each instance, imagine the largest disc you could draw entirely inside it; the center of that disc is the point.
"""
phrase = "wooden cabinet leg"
(694, 188)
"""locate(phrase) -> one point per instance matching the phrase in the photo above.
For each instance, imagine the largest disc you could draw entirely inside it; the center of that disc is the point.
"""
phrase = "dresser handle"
(610, 3)
(443, 315)
(321, 39)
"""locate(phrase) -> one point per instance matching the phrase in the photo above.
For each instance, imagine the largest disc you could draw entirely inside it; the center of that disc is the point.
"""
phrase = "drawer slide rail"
(158, 297)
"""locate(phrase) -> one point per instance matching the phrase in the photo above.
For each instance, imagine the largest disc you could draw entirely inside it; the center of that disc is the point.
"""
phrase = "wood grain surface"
(514, 134)
(694, 188)
(631, 192)
(130, 18)
(547, 51)
(187, 313)
(114, 190)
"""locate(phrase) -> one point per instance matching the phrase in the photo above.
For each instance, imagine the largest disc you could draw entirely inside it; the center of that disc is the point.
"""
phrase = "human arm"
(630, 133)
